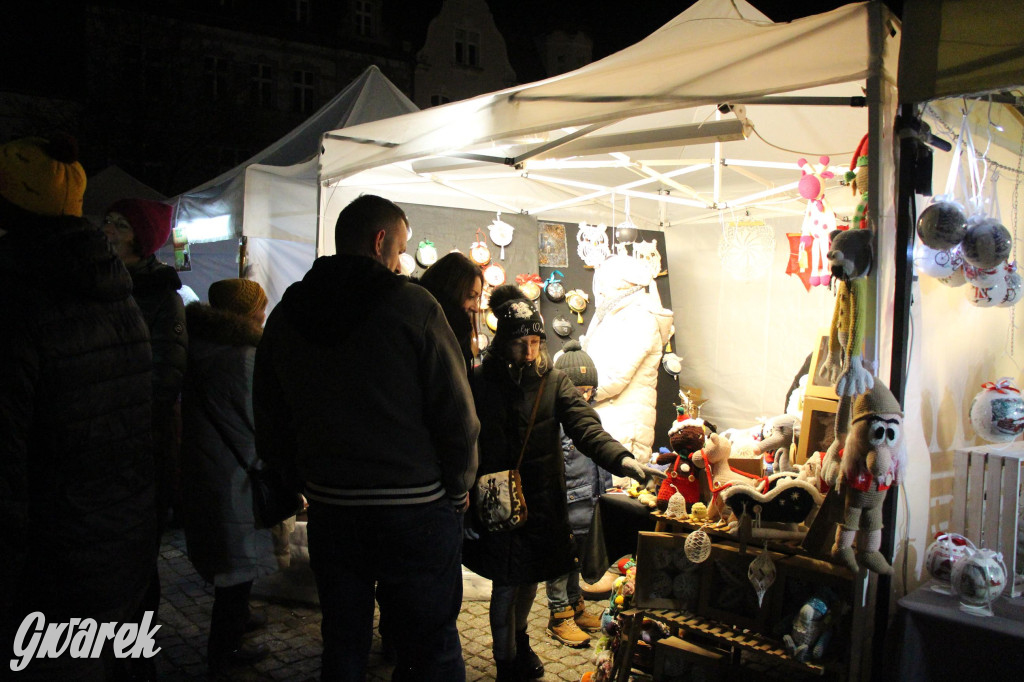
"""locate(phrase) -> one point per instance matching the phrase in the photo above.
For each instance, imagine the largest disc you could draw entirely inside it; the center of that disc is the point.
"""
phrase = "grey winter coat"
(218, 423)
(543, 548)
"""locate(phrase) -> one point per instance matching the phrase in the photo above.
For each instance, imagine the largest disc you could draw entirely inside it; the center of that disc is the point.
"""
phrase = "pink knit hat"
(150, 221)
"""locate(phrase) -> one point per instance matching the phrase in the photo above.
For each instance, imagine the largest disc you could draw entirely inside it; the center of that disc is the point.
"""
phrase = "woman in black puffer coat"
(514, 370)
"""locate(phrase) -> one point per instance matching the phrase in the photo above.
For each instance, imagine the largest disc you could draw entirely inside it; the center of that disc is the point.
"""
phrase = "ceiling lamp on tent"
(746, 248)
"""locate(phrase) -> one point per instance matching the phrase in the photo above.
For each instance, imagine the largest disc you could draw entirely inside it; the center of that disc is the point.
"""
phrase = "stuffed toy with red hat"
(686, 437)
(857, 176)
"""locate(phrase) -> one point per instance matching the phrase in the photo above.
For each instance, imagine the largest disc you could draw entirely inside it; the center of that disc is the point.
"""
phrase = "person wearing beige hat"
(77, 521)
(224, 544)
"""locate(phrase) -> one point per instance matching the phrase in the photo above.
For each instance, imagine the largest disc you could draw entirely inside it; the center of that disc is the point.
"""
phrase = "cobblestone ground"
(293, 633)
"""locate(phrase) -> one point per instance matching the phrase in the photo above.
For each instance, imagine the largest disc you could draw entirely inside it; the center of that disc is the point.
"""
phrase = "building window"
(216, 70)
(303, 12)
(467, 47)
(364, 12)
(436, 100)
(302, 91)
(261, 85)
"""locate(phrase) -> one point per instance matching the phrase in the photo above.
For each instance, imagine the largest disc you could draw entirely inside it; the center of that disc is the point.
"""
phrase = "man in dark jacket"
(76, 470)
(360, 391)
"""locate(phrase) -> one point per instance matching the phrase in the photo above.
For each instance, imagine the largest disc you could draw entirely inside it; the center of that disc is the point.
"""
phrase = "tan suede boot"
(584, 620)
(562, 626)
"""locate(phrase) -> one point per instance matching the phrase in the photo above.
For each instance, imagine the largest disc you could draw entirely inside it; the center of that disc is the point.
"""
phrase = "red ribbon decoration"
(533, 277)
(1002, 386)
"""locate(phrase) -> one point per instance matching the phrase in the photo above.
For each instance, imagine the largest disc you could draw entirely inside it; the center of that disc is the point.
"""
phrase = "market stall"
(710, 133)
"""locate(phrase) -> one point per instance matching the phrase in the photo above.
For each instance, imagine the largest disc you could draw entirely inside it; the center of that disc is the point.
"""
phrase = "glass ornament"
(936, 263)
(697, 546)
(987, 243)
(407, 264)
(942, 554)
(977, 579)
(942, 224)
(981, 277)
(1014, 284)
(987, 296)
(761, 573)
(997, 411)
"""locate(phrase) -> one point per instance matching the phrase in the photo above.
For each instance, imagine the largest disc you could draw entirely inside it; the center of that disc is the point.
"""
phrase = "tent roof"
(113, 183)
(716, 51)
(640, 123)
(956, 47)
(369, 97)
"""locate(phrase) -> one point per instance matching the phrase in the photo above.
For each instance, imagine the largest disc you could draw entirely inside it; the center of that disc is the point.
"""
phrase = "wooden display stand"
(731, 635)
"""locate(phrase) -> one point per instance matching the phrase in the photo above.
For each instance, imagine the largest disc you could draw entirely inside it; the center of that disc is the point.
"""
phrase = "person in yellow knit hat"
(218, 445)
(77, 521)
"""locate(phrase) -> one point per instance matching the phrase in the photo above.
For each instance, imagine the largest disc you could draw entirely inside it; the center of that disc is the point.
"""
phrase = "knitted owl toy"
(850, 260)
(686, 437)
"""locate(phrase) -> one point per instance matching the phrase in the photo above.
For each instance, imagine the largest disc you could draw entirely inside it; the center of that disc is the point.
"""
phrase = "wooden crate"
(987, 502)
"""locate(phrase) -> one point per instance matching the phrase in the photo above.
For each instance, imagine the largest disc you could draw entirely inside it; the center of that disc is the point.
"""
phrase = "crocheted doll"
(857, 176)
(873, 460)
(850, 260)
(686, 437)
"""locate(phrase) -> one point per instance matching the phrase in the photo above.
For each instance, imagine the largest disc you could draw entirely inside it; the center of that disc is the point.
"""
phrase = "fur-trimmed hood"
(221, 326)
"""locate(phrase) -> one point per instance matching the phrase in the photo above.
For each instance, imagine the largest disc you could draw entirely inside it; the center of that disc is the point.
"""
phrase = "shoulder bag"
(501, 505)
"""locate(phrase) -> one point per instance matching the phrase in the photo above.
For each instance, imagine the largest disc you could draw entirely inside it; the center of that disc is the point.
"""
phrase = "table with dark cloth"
(939, 641)
(618, 519)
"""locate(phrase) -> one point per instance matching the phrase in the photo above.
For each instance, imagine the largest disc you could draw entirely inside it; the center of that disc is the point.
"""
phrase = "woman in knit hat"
(136, 228)
(514, 376)
(224, 544)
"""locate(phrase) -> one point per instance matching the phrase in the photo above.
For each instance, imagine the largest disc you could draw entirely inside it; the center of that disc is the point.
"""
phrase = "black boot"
(528, 663)
(508, 672)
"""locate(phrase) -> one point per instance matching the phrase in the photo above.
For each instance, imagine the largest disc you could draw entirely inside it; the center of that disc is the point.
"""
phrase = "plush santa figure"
(686, 437)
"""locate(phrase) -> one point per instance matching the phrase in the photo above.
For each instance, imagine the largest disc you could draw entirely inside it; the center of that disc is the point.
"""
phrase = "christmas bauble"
(942, 554)
(562, 326)
(981, 277)
(626, 232)
(987, 243)
(936, 263)
(697, 546)
(407, 263)
(978, 578)
(942, 224)
(997, 411)
(985, 296)
(1013, 286)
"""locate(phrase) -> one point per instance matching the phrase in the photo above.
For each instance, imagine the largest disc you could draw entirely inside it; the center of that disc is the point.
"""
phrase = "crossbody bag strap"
(533, 416)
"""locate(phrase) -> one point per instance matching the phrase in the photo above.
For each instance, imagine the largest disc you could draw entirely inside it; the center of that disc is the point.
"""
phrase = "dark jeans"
(414, 554)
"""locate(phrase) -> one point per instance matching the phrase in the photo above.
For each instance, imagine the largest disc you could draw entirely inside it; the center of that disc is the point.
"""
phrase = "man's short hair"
(361, 220)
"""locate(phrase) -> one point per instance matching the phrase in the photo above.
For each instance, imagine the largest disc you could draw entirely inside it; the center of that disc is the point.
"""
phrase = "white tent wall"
(281, 184)
(955, 347)
(742, 342)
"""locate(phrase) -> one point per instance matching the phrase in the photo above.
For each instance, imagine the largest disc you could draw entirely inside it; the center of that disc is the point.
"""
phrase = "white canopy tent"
(272, 196)
(645, 123)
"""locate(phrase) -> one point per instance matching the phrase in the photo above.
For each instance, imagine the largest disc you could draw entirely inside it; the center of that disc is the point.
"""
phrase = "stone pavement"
(293, 633)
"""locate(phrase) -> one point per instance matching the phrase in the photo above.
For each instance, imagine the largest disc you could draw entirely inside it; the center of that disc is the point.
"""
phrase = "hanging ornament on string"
(426, 253)
(697, 546)
(501, 233)
(648, 254)
(1013, 285)
(746, 248)
(761, 573)
(988, 294)
(997, 411)
(592, 244)
(947, 266)
(494, 275)
(626, 232)
(478, 251)
(530, 285)
(553, 287)
(577, 300)
(407, 264)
